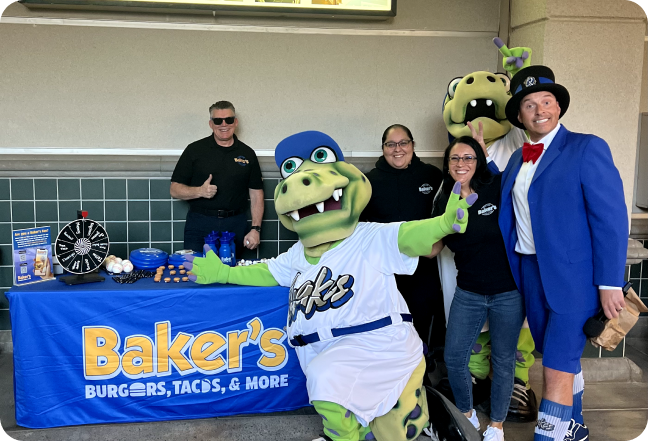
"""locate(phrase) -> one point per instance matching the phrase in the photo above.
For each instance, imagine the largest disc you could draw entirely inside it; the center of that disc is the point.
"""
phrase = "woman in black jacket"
(403, 189)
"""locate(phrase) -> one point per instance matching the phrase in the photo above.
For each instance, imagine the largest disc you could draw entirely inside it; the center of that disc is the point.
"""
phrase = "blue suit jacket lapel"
(507, 184)
(553, 151)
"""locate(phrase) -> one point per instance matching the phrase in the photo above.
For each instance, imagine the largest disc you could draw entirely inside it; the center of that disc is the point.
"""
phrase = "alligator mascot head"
(321, 196)
(478, 97)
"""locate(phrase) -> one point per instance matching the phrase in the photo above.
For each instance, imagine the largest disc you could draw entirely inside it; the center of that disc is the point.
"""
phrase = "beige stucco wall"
(133, 87)
(596, 49)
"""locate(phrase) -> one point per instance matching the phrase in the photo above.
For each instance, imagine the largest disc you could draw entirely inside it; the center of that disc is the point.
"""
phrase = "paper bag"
(617, 328)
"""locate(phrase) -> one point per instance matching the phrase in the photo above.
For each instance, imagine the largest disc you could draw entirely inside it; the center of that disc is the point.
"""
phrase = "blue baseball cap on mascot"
(302, 145)
(530, 80)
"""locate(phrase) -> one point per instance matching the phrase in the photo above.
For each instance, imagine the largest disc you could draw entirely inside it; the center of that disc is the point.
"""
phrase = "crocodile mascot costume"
(349, 325)
(480, 98)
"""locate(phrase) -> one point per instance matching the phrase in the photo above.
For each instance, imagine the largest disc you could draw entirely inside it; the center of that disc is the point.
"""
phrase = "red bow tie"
(531, 152)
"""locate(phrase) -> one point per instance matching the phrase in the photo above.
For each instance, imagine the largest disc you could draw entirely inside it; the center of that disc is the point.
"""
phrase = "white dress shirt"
(525, 243)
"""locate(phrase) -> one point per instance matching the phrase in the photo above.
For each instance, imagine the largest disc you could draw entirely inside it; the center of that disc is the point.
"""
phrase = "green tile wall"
(136, 212)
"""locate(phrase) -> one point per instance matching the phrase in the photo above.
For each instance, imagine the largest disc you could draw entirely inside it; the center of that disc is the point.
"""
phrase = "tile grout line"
(34, 200)
(127, 224)
(13, 267)
(148, 188)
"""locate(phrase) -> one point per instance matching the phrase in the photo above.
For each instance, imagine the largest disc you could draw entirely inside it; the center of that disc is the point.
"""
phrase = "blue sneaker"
(576, 432)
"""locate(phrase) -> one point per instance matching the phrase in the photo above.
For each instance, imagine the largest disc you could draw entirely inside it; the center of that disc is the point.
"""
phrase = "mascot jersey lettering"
(342, 289)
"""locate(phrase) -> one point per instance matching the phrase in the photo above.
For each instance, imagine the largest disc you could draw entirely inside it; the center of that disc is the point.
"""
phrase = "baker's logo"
(157, 355)
(426, 188)
(242, 161)
(487, 209)
(530, 81)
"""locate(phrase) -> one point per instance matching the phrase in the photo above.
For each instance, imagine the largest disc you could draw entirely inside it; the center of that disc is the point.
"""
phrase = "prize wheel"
(82, 246)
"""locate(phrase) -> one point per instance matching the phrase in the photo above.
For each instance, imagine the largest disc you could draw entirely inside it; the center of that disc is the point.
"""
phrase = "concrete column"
(644, 86)
(596, 50)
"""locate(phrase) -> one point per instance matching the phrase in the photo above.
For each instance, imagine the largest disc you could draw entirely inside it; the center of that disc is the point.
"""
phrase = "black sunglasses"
(228, 120)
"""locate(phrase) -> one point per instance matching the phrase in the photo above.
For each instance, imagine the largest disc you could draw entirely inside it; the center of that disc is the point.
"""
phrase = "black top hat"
(530, 80)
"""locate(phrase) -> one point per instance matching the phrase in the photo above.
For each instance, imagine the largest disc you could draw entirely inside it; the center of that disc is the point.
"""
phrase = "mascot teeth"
(473, 103)
(320, 207)
(489, 103)
(337, 193)
(294, 215)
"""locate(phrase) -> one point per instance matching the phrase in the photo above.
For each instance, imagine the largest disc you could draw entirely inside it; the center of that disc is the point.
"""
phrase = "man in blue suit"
(565, 227)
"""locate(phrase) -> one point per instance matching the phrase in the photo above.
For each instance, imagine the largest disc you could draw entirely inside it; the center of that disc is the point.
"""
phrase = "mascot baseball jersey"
(344, 290)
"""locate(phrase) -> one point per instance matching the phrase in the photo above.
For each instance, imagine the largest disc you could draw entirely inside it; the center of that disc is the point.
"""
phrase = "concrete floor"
(614, 411)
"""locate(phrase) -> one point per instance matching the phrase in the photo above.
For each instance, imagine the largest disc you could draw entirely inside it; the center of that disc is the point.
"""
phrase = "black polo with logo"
(234, 171)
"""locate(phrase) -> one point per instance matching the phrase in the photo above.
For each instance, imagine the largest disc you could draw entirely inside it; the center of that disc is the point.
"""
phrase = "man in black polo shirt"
(216, 174)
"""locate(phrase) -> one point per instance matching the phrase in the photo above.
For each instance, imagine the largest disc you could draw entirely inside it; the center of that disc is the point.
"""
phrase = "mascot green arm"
(210, 269)
(515, 59)
(416, 238)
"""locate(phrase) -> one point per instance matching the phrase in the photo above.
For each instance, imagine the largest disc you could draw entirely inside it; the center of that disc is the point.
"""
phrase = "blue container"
(225, 253)
(212, 241)
(177, 258)
(148, 258)
(229, 238)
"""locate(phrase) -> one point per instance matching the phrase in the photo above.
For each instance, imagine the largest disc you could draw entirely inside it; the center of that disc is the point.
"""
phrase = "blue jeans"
(468, 313)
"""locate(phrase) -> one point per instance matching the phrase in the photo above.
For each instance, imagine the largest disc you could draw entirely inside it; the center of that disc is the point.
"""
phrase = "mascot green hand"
(210, 269)
(415, 238)
(515, 59)
(207, 270)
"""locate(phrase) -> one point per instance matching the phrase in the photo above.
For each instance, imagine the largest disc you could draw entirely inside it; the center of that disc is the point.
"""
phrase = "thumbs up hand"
(207, 190)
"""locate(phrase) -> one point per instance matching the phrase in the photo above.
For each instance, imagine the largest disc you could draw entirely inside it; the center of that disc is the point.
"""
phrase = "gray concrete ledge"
(608, 369)
(597, 370)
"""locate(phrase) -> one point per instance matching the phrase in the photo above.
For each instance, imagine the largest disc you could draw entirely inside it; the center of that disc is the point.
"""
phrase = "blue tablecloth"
(106, 353)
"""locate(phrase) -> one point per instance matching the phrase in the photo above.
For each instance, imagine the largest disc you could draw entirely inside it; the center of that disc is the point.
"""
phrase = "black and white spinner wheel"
(81, 246)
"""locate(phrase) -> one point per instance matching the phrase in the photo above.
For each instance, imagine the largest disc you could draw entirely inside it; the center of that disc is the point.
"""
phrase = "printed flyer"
(32, 255)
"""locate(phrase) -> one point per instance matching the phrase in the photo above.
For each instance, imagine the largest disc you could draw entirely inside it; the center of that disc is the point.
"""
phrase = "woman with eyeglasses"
(485, 289)
(403, 189)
